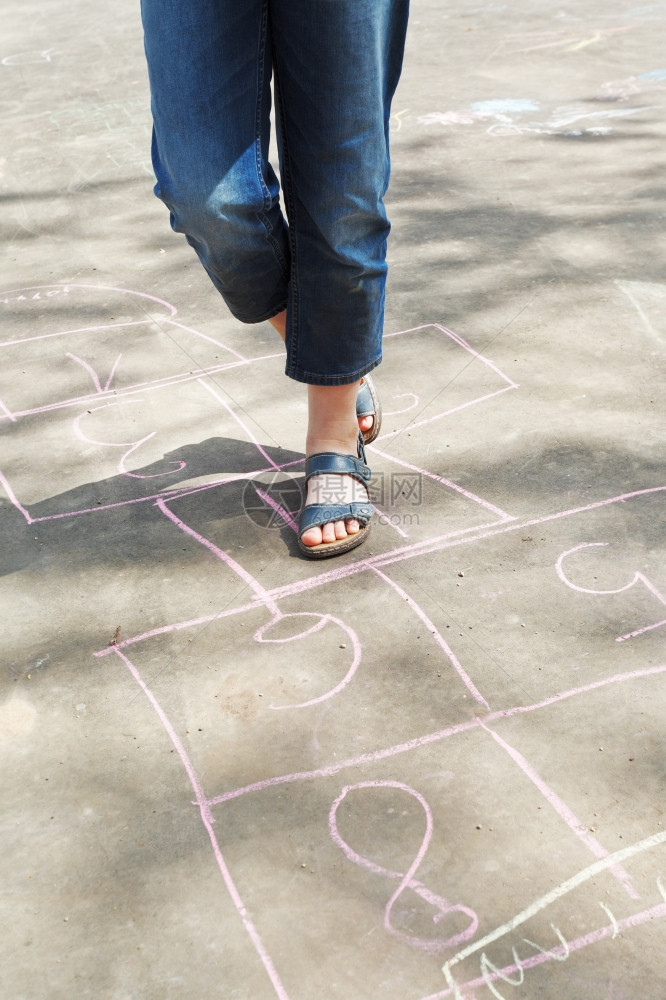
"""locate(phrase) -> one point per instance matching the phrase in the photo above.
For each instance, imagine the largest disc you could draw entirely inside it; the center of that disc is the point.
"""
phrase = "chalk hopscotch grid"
(605, 860)
(269, 600)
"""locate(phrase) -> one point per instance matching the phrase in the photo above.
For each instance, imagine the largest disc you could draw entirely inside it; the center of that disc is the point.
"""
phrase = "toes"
(365, 423)
(312, 537)
(331, 532)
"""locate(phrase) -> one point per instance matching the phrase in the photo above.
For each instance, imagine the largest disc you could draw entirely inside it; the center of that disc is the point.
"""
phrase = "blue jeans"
(335, 66)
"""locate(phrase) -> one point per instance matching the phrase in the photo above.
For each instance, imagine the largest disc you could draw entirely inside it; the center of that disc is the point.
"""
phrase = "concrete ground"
(433, 767)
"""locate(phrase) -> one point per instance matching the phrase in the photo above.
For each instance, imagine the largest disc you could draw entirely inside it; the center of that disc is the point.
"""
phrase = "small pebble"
(479, 827)
(343, 645)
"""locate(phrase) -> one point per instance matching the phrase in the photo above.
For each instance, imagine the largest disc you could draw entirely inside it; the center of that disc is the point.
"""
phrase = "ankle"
(340, 444)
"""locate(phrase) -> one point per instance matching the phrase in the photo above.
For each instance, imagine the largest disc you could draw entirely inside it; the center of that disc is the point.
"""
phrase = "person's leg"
(337, 63)
(279, 323)
(336, 66)
(210, 68)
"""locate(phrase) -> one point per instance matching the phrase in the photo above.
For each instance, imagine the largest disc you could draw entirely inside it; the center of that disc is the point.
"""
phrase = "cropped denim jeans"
(335, 65)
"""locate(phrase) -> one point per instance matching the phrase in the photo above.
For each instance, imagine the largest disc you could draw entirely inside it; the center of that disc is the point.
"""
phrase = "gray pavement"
(433, 767)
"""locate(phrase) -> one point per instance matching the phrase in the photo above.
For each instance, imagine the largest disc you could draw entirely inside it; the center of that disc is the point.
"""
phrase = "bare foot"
(332, 427)
(330, 490)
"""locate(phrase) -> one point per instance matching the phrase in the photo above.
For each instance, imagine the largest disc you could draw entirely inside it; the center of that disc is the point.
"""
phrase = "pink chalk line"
(461, 342)
(448, 540)
(640, 631)
(563, 810)
(208, 821)
(93, 374)
(322, 620)
(637, 578)
(445, 482)
(272, 606)
(168, 382)
(437, 636)
(446, 413)
(133, 446)
(11, 496)
(220, 554)
(407, 881)
(385, 519)
(7, 411)
(405, 409)
(282, 512)
(68, 286)
(80, 329)
(421, 741)
(428, 547)
(240, 423)
(560, 953)
(169, 492)
(211, 340)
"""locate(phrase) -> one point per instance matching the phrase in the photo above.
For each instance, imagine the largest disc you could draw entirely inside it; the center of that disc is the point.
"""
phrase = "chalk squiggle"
(407, 881)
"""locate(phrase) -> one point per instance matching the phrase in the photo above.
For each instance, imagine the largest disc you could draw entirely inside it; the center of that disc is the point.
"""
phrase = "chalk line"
(80, 329)
(11, 496)
(616, 858)
(640, 631)
(421, 741)
(449, 540)
(413, 424)
(282, 512)
(562, 809)
(437, 636)
(240, 423)
(407, 880)
(559, 953)
(168, 382)
(461, 342)
(208, 821)
(8, 413)
(223, 556)
(93, 374)
(444, 482)
(211, 340)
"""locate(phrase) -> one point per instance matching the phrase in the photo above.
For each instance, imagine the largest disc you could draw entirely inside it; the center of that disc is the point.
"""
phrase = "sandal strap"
(332, 463)
(317, 514)
(365, 404)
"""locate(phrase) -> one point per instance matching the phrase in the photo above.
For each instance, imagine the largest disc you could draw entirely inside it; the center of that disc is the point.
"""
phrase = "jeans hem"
(312, 379)
(273, 311)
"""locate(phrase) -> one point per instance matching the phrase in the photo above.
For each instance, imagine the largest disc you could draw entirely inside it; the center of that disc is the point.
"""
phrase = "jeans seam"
(261, 72)
(292, 340)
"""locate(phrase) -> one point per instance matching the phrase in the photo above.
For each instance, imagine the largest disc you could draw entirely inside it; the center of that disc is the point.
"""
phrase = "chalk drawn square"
(559, 601)
(303, 680)
(379, 849)
(451, 377)
(378, 845)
